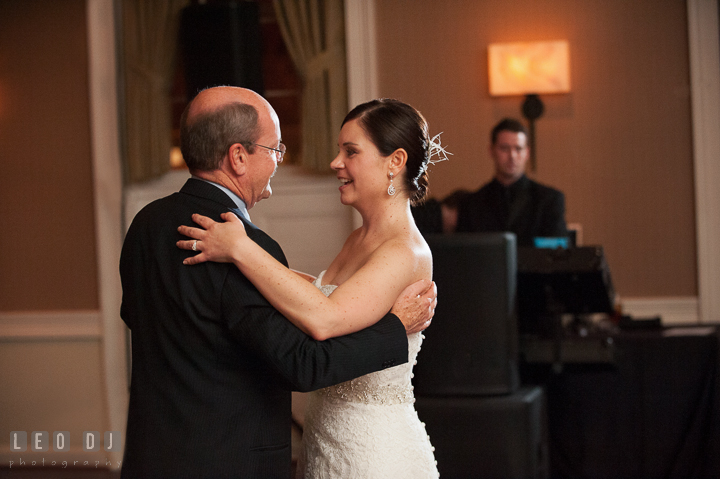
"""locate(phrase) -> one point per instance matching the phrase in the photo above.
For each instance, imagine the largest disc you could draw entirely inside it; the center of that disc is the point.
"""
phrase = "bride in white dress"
(367, 427)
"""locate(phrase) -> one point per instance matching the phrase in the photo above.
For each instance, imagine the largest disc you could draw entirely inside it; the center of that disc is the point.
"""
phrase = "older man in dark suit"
(213, 363)
(512, 201)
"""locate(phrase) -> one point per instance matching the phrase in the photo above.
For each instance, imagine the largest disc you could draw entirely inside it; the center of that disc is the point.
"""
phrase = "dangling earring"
(391, 188)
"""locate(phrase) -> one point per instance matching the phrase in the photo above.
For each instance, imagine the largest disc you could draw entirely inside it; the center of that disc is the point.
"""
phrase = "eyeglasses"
(280, 149)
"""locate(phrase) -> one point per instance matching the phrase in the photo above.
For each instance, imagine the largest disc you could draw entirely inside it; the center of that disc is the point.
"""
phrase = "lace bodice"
(367, 428)
(389, 386)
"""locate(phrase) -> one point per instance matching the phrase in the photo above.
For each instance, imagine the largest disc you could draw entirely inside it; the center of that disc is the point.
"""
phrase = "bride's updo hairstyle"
(391, 124)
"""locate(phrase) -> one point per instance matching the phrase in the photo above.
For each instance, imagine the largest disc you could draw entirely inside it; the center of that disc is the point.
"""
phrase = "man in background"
(439, 216)
(511, 201)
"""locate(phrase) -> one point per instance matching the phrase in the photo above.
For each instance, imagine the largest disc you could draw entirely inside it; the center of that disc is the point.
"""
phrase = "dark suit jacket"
(213, 363)
(526, 208)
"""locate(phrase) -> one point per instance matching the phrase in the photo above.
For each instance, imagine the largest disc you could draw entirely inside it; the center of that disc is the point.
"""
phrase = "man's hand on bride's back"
(219, 242)
(416, 305)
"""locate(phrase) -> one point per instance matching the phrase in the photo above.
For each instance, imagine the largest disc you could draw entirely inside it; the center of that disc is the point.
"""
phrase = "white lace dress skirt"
(367, 428)
(348, 439)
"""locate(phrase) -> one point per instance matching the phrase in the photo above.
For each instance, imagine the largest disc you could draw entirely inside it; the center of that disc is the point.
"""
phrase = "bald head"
(212, 99)
(218, 118)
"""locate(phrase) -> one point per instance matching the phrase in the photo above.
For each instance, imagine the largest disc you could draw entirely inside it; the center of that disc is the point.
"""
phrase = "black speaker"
(221, 44)
(471, 348)
(491, 437)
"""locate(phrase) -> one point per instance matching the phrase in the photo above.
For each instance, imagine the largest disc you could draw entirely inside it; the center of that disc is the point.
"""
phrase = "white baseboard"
(672, 310)
(50, 325)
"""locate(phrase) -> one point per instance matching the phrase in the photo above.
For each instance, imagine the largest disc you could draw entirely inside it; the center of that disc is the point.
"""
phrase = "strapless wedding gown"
(367, 428)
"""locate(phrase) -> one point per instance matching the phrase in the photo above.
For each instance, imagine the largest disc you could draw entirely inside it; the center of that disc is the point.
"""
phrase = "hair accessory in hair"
(435, 148)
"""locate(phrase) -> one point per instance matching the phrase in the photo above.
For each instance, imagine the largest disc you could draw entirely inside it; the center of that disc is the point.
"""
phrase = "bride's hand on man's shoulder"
(416, 305)
(213, 241)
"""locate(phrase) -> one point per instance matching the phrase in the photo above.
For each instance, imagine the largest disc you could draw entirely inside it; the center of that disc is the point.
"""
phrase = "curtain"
(149, 46)
(314, 33)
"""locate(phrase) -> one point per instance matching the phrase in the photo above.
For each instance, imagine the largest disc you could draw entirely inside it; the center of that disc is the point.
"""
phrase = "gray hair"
(206, 139)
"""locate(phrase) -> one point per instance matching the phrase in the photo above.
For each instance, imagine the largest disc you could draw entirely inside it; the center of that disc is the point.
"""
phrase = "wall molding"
(107, 189)
(704, 50)
(361, 54)
(361, 51)
(51, 326)
(672, 310)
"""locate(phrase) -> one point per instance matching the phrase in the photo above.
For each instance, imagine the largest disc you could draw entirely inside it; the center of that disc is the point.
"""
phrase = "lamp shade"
(529, 67)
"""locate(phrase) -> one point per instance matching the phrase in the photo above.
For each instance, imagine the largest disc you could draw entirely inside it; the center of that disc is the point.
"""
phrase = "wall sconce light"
(176, 158)
(531, 69)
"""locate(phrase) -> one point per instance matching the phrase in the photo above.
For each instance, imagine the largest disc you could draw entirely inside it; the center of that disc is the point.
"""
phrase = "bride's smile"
(360, 167)
(344, 181)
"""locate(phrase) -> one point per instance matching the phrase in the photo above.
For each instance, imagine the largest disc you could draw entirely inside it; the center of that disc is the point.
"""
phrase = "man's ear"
(527, 151)
(397, 160)
(238, 158)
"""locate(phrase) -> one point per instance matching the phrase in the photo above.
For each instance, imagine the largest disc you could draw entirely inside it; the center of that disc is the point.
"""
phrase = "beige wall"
(619, 145)
(48, 267)
(46, 192)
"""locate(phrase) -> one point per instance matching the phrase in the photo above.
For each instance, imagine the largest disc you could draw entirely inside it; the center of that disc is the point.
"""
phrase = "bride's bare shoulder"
(407, 247)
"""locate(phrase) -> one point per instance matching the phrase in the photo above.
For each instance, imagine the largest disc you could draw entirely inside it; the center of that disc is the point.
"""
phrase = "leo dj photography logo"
(40, 441)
